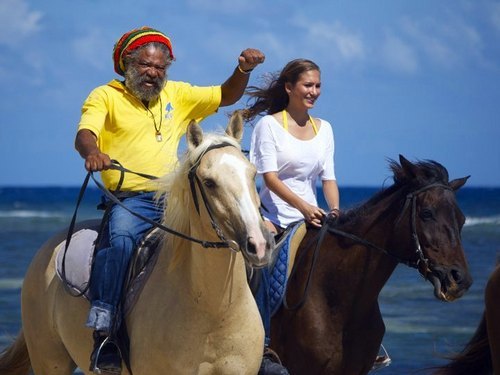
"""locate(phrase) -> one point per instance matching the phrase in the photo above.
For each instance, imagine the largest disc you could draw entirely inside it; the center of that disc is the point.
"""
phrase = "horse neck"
(364, 267)
(216, 277)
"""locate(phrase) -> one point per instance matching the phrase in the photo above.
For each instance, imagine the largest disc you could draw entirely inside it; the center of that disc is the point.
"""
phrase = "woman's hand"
(312, 214)
(335, 212)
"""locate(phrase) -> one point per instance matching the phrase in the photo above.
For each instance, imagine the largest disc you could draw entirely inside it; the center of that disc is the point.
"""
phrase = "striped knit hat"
(134, 39)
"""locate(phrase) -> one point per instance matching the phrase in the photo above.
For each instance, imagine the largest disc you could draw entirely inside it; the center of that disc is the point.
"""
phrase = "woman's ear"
(288, 87)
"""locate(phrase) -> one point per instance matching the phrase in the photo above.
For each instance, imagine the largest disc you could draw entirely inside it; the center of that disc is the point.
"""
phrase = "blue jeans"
(124, 233)
(264, 303)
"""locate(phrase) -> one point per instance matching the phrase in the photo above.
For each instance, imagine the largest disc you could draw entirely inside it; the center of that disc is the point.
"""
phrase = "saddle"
(74, 266)
(285, 250)
(287, 247)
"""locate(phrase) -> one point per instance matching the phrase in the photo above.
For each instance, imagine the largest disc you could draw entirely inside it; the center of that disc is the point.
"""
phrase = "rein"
(117, 166)
(114, 199)
(192, 176)
(421, 264)
(411, 200)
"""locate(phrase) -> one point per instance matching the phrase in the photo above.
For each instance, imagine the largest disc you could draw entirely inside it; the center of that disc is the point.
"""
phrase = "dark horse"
(481, 355)
(332, 323)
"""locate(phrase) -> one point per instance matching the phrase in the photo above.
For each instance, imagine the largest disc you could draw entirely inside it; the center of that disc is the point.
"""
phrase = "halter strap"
(285, 122)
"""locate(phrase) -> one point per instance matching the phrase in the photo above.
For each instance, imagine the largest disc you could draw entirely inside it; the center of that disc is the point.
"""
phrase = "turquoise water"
(420, 329)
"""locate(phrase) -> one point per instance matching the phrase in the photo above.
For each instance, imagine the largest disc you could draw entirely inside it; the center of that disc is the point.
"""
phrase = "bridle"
(421, 263)
(224, 243)
(194, 179)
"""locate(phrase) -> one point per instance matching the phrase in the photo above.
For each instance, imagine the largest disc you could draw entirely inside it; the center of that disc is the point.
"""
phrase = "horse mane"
(174, 187)
(428, 172)
(423, 173)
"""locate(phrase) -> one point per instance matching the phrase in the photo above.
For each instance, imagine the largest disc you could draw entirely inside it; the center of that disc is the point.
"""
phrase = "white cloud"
(270, 42)
(94, 49)
(398, 55)
(494, 15)
(447, 42)
(222, 6)
(429, 37)
(17, 21)
(334, 39)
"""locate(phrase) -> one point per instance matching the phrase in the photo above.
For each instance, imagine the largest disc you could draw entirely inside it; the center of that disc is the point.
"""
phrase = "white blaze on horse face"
(249, 213)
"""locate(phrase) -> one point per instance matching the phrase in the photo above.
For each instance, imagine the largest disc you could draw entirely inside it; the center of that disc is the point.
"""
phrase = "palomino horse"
(332, 323)
(481, 355)
(196, 313)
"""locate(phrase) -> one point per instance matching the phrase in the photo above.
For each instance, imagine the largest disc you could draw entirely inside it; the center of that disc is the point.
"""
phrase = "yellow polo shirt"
(126, 129)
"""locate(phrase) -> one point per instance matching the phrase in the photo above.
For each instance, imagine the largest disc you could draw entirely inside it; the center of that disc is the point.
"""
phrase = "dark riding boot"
(106, 357)
(271, 364)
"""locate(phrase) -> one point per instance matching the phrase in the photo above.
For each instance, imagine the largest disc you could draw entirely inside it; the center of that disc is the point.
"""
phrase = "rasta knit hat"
(135, 39)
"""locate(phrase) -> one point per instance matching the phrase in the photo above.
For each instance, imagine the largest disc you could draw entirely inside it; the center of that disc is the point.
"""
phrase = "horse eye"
(209, 183)
(426, 214)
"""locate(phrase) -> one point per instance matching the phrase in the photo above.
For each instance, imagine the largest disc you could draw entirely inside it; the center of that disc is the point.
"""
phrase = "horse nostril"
(251, 246)
(456, 275)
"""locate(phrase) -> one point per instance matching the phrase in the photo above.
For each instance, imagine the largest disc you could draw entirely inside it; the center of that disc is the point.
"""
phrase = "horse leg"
(492, 313)
(47, 352)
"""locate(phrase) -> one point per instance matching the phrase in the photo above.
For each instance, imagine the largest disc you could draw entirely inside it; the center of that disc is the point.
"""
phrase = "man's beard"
(135, 83)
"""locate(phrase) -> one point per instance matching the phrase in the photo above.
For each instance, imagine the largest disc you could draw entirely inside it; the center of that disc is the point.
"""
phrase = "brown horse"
(481, 355)
(332, 323)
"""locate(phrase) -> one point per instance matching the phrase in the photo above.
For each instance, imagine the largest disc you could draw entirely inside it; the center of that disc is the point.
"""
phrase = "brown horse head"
(431, 214)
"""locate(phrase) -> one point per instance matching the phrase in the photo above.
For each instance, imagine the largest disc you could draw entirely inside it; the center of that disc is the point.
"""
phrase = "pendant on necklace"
(158, 137)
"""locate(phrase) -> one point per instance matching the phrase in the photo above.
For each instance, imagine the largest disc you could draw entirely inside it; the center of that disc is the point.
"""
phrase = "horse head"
(431, 214)
(222, 183)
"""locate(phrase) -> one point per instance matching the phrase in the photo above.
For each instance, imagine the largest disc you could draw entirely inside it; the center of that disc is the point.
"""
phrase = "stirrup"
(271, 364)
(272, 355)
(381, 361)
(94, 366)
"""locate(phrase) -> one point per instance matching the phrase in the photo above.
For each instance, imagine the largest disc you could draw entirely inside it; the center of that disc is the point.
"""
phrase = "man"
(139, 122)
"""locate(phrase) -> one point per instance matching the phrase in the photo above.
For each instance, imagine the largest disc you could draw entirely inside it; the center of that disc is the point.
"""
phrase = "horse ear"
(407, 166)
(235, 127)
(458, 183)
(194, 135)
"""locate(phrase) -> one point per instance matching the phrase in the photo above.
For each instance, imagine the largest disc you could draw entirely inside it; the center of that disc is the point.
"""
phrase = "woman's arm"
(332, 195)
(312, 214)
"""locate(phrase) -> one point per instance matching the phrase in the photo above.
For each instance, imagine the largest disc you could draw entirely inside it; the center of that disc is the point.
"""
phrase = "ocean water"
(420, 330)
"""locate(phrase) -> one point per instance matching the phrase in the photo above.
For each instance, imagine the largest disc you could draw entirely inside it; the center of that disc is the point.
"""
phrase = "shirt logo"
(168, 111)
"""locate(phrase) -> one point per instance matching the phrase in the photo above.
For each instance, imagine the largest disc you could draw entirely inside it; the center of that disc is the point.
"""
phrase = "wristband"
(248, 71)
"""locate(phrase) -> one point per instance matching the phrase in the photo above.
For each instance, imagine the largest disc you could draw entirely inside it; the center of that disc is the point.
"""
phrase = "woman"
(292, 151)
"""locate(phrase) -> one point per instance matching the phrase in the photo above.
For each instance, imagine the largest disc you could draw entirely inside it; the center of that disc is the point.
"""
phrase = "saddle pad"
(78, 260)
(284, 262)
(80, 254)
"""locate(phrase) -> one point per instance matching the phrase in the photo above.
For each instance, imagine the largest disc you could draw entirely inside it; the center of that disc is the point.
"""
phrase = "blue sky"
(418, 78)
